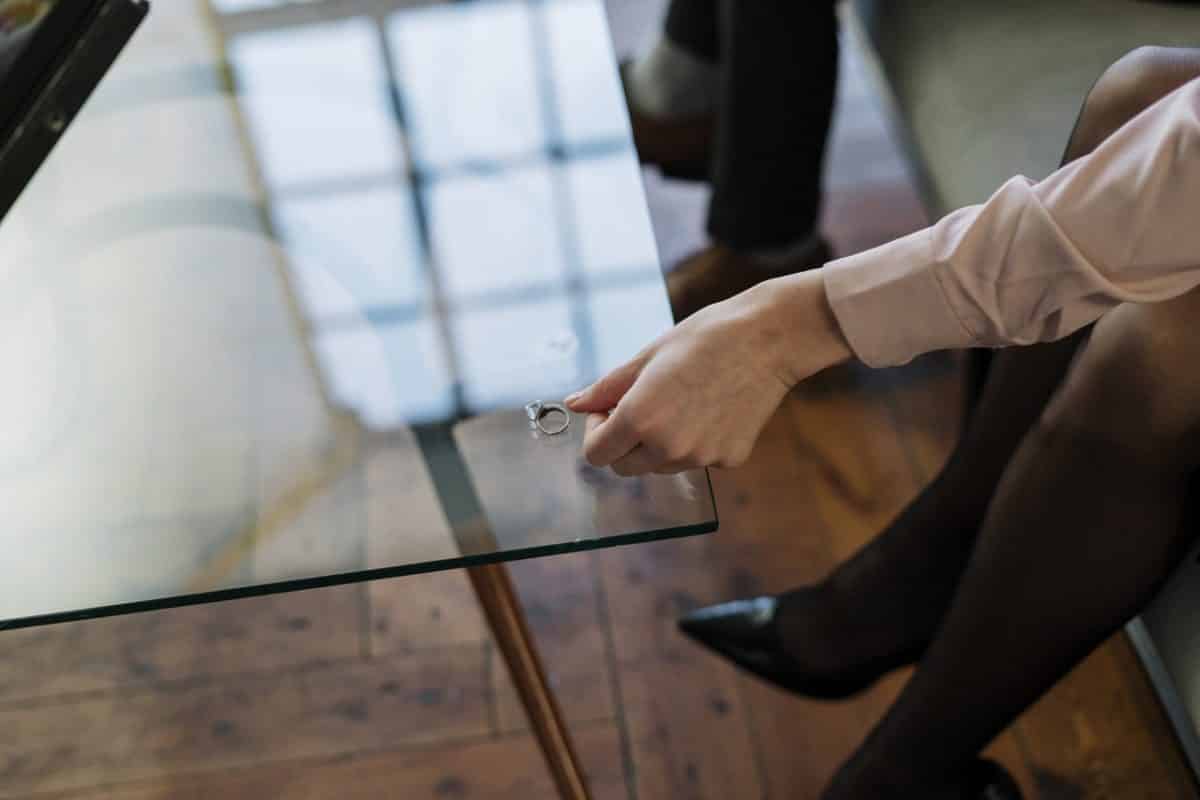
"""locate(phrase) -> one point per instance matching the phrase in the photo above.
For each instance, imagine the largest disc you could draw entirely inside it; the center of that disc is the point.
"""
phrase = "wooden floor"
(394, 690)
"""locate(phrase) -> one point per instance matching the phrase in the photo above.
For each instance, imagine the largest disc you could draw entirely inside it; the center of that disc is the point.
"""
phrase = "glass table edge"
(360, 576)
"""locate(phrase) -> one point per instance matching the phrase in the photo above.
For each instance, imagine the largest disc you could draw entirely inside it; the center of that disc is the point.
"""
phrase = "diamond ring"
(539, 411)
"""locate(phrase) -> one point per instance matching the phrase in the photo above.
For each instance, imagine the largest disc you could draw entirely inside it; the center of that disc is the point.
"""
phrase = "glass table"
(272, 311)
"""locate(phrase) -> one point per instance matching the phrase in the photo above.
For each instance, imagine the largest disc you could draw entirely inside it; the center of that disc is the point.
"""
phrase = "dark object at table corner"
(89, 47)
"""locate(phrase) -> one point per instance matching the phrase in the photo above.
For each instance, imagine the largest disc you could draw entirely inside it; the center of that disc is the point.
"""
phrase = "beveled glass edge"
(362, 576)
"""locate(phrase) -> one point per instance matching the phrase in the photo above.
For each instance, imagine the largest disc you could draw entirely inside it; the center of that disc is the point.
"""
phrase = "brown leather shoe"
(717, 273)
(679, 147)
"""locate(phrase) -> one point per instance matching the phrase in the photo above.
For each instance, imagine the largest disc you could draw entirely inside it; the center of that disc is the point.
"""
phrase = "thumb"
(604, 394)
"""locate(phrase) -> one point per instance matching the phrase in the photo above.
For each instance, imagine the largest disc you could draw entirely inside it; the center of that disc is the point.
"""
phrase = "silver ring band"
(538, 411)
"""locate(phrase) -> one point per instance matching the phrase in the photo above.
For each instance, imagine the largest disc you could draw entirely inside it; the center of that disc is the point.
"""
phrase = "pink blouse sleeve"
(1038, 261)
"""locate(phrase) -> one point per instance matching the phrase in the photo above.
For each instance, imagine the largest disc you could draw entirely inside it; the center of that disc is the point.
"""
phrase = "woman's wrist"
(808, 336)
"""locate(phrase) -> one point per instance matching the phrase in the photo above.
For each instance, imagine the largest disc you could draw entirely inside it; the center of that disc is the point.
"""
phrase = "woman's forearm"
(798, 325)
(1037, 262)
(1033, 263)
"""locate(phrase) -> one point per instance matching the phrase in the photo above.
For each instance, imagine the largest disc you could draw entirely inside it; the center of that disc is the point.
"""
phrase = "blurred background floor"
(393, 689)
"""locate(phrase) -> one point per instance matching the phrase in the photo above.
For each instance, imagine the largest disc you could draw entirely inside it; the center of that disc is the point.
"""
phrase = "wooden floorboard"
(157, 730)
(505, 768)
(420, 612)
(561, 603)
(1099, 734)
(263, 634)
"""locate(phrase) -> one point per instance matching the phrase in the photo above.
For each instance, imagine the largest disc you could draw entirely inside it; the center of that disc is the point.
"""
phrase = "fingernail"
(574, 398)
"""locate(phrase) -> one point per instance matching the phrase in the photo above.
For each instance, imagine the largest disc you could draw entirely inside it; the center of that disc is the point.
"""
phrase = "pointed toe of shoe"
(744, 633)
(740, 623)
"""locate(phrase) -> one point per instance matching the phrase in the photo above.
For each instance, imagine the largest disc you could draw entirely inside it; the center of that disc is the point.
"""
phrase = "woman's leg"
(1086, 524)
(890, 597)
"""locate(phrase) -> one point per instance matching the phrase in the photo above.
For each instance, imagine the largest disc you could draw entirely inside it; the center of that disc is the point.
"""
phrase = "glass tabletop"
(272, 310)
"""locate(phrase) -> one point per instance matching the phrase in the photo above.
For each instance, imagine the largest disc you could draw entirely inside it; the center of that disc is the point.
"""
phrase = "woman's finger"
(604, 394)
(642, 460)
(608, 437)
(674, 467)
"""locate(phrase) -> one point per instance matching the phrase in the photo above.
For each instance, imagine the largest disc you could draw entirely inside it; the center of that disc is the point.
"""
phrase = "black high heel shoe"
(744, 631)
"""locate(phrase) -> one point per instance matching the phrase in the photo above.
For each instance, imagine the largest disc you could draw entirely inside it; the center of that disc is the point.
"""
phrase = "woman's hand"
(700, 395)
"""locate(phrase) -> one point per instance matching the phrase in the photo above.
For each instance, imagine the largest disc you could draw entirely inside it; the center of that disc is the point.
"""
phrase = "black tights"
(1056, 519)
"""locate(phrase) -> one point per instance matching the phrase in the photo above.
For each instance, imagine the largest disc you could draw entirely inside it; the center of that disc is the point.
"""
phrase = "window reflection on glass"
(495, 233)
(641, 305)
(452, 183)
(316, 101)
(515, 351)
(237, 6)
(391, 374)
(587, 91)
(470, 82)
(613, 237)
(353, 251)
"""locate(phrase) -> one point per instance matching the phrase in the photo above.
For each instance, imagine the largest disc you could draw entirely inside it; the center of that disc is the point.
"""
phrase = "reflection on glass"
(236, 6)
(490, 233)
(512, 353)
(641, 305)
(316, 100)
(469, 81)
(353, 250)
(389, 374)
(613, 237)
(587, 92)
(289, 335)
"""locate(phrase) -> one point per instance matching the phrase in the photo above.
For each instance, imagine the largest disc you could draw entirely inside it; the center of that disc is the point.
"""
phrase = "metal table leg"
(502, 608)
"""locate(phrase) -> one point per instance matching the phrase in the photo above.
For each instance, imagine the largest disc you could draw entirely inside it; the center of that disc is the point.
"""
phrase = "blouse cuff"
(890, 303)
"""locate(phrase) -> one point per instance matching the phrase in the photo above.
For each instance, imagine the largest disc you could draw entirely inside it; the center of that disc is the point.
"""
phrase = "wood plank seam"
(298, 763)
(628, 765)
(205, 681)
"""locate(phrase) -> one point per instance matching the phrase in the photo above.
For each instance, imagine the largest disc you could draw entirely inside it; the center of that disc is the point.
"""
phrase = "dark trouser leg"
(779, 74)
(890, 597)
(692, 24)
